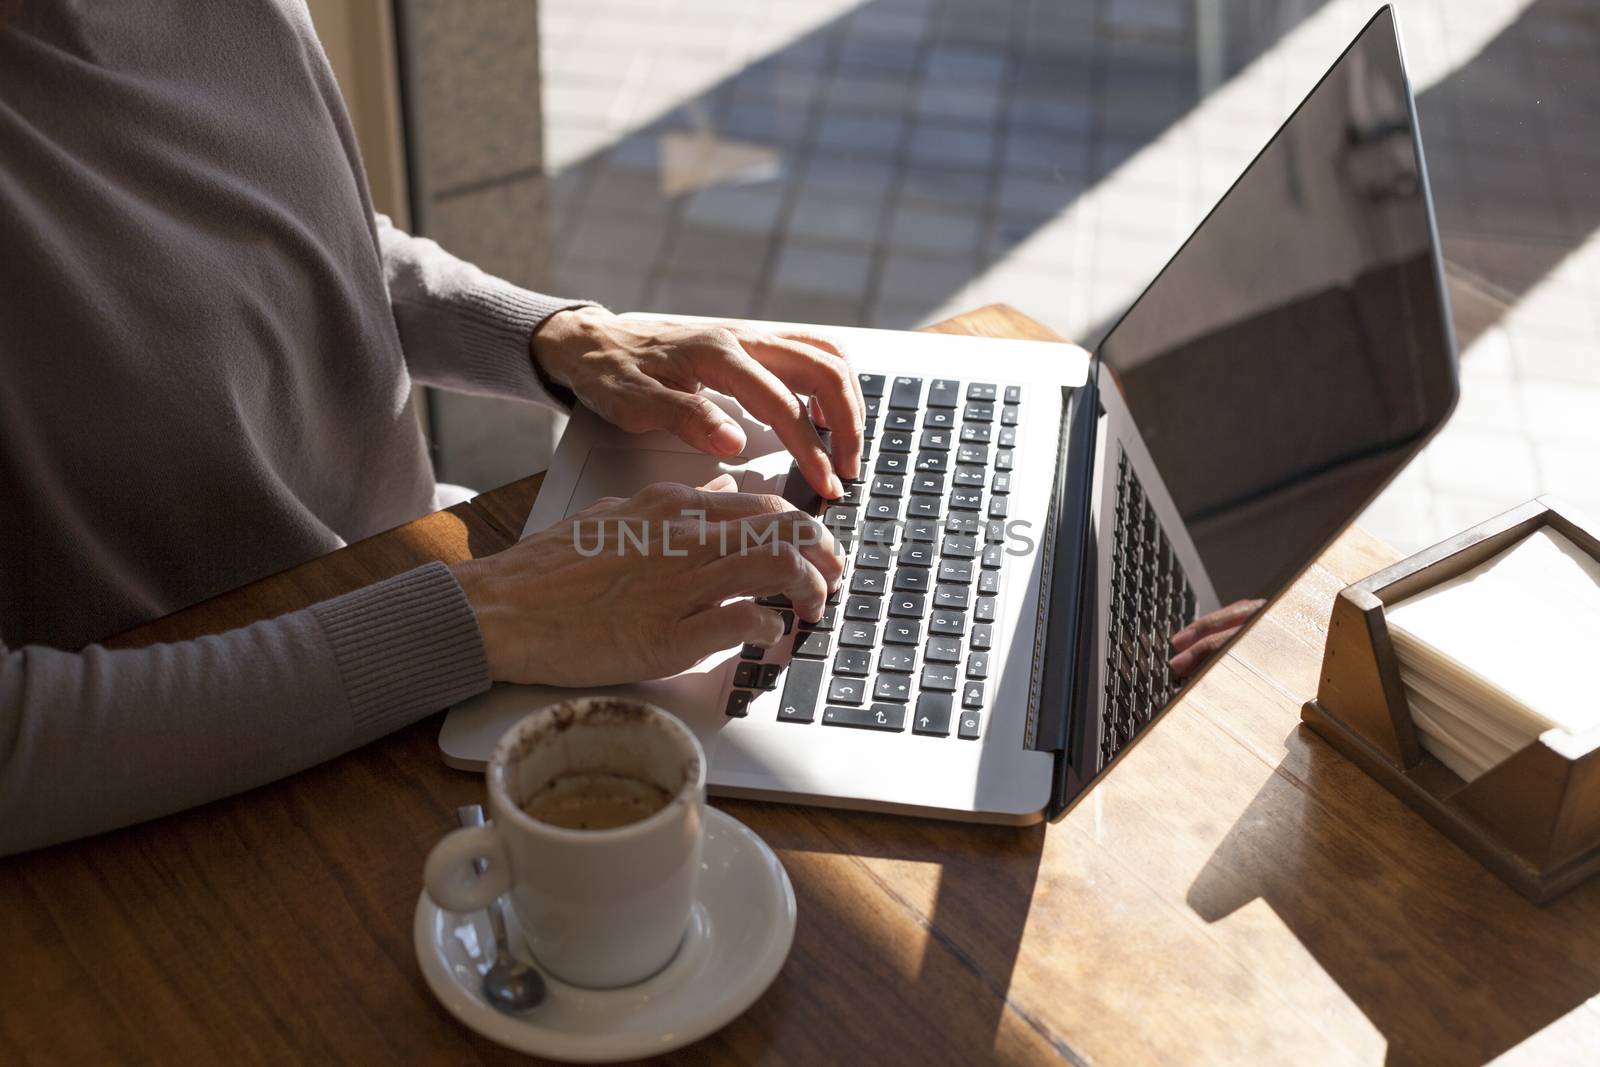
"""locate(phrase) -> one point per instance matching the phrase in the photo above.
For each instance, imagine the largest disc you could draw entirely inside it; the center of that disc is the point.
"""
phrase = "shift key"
(801, 689)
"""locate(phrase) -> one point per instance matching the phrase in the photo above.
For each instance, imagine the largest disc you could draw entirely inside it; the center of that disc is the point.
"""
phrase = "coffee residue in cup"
(595, 801)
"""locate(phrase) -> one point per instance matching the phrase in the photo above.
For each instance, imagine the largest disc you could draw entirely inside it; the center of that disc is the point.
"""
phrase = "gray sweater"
(207, 341)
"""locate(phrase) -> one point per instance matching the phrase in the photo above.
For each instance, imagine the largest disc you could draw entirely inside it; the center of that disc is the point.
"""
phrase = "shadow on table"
(1449, 964)
(970, 887)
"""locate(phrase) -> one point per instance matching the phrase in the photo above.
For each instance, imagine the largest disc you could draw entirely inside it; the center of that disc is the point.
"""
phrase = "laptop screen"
(1296, 351)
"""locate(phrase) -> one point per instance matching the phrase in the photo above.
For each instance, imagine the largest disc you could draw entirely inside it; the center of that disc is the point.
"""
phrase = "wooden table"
(1234, 892)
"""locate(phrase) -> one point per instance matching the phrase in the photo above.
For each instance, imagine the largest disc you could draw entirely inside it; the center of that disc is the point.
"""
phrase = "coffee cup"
(597, 808)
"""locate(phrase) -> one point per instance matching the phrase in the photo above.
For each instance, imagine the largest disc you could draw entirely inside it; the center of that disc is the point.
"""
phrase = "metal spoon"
(510, 985)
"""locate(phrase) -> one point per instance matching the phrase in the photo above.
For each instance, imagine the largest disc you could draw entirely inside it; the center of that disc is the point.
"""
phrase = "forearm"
(461, 328)
(93, 740)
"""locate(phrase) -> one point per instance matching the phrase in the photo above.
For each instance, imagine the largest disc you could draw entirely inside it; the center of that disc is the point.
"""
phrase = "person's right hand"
(583, 604)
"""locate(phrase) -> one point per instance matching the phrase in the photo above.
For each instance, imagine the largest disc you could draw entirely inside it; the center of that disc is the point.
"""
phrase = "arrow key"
(933, 714)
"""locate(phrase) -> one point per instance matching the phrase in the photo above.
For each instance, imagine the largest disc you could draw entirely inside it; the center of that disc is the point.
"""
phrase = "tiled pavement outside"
(894, 161)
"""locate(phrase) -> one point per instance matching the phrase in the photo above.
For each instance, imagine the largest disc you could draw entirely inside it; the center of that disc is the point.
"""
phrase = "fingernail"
(835, 487)
(726, 439)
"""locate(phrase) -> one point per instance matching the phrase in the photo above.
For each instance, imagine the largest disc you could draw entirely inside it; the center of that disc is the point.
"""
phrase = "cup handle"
(451, 877)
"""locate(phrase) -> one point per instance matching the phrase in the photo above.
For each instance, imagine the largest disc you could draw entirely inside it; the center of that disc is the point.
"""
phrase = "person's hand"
(1195, 643)
(634, 589)
(642, 375)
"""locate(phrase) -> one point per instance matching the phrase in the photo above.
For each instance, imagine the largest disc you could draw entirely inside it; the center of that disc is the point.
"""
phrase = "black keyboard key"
(959, 546)
(994, 532)
(922, 507)
(966, 523)
(739, 703)
(939, 419)
(869, 430)
(911, 580)
(902, 632)
(993, 556)
(976, 454)
(798, 492)
(907, 605)
(933, 714)
(880, 532)
(946, 623)
(999, 506)
(944, 393)
(916, 554)
(863, 608)
(788, 620)
(1008, 437)
(871, 384)
(873, 557)
(898, 659)
(927, 482)
(934, 441)
(894, 441)
(933, 461)
(922, 531)
(883, 507)
(943, 650)
(747, 675)
(888, 485)
(852, 494)
(774, 602)
(1002, 482)
(982, 638)
(769, 675)
(972, 695)
(968, 476)
(978, 411)
(813, 645)
(900, 420)
(840, 518)
(1013, 394)
(977, 433)
(906, 393)
(955, 597)
(874, 404)
(830, 614)
(891, 463)
(892, 687)
(858, 635)
(955, 570)
(847, 691)
(970, 726)
(856, 661)
(986, 609)
(966, 499)
(989, 583)
(978, 665)
(752, 652)
(980, 391)
(1008, 415)
(1004, 459)
(801, 688)
(877, 717)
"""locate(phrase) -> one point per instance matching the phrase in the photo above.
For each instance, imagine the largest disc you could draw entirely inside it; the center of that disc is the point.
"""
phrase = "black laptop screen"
(1295, 353)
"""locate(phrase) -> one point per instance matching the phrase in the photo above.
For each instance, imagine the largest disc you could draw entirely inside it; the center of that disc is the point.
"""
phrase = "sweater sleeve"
(102, 738)
(461, 328)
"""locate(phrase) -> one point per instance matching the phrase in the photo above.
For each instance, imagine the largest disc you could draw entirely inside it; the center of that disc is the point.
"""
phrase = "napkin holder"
(1534, 818)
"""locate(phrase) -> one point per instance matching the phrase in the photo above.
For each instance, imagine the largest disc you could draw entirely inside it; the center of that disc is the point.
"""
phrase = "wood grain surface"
(1234, 892)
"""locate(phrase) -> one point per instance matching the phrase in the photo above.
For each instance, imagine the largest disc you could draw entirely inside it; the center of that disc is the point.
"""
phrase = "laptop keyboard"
(1151, 600)
(906, 640)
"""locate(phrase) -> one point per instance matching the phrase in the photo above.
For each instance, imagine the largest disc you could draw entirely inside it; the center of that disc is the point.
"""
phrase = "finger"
(1229, 618)
(827, 378)
(647, 404)
(1186, 662)
(828, 344)
(722, 483)
(734, 372)
(726, 626)
(779, 571)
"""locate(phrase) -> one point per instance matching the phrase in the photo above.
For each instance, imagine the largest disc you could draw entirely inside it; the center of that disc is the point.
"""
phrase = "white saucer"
(739, 935)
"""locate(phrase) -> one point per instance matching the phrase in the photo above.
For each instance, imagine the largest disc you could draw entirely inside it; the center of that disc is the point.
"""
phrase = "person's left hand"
(1195, 643)
(643, 375)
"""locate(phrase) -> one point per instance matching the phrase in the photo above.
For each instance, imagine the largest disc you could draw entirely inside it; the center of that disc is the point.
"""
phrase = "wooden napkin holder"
(1533, 819)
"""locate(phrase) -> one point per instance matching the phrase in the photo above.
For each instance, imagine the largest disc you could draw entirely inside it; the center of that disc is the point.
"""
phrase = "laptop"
(1033, 522)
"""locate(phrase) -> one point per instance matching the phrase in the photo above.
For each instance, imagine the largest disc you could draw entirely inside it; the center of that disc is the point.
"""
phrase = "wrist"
(477, 587)
(562, 339)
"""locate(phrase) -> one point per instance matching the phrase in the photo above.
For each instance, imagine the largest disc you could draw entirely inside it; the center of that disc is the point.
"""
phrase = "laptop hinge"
(1070, 519)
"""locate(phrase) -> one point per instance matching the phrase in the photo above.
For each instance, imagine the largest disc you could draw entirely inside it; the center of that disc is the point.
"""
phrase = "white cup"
(598, 908)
